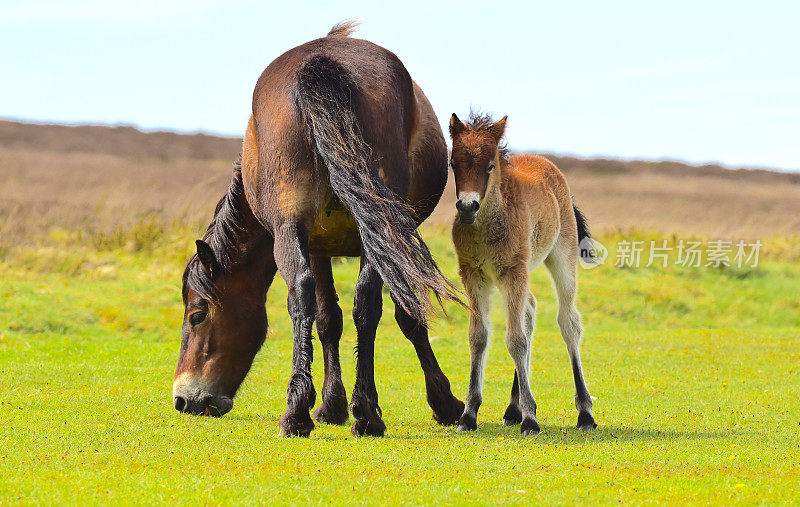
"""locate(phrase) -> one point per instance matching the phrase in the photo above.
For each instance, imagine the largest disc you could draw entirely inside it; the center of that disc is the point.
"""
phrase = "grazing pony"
(513, 214)
(343, 156)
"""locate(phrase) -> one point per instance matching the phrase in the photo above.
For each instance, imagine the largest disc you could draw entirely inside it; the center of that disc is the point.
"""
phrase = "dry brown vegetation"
(100, 178)
(705, 200)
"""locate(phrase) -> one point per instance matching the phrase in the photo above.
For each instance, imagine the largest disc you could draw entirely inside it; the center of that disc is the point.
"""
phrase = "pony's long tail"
(324, 96)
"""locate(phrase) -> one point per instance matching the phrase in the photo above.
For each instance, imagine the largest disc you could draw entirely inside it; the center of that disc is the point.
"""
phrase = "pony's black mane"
(223, 236)
(480, 121)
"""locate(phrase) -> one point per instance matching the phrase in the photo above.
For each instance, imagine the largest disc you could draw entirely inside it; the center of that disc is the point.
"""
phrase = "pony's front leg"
(446, 408)
(514, 285)
(291, 256)
(479, 292)
(367, 311)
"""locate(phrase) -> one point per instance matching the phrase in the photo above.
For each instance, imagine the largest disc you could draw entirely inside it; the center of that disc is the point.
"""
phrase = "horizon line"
(226, 135)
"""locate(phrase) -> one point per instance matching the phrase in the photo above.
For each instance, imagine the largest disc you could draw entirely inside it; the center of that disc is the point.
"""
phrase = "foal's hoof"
(586, 422)
(530, 427)
(512, 416)
(296, 426)
(368, 427)
(449, 413)
(332, 413)
(467, 423)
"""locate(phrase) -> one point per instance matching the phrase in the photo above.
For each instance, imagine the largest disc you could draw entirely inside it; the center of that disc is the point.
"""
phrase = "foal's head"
(225, 319)
(476, 150)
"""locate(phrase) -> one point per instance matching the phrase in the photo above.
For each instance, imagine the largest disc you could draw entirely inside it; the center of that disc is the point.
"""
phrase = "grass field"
(696, 374)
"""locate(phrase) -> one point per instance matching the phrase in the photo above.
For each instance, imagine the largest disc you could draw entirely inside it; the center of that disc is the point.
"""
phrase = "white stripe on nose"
(466, 197)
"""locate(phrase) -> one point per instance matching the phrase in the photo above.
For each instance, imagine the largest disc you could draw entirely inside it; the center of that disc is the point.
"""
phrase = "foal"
(513, 214)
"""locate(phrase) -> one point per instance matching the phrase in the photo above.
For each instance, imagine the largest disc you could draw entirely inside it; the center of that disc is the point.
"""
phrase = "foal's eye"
(489, 169)
(198, 318)
(452, 165)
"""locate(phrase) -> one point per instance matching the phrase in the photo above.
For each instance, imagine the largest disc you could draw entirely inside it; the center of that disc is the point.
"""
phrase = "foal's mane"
(223, 235)
(481, 121)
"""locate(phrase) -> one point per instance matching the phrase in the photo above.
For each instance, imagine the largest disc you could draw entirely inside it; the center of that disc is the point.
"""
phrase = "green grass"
(695, 374)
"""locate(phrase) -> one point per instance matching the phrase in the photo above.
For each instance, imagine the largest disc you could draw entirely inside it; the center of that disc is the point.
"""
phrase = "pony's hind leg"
(514, 286)
(513, 414)
(367, 311)
(333, 409)
(446, 407)
(479, 292)
(562, 265)
(291, 256)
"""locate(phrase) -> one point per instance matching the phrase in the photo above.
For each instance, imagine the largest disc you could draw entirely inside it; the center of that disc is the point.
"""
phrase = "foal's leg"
(446, 408)
(513, 414)
(366, 314)
(479, 292)
(561, 263)
(291, 256)
(333, 409)
(514, 286)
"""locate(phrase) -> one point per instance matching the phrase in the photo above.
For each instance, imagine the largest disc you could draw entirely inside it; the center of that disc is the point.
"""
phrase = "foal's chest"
(486, 244)
(491, 232)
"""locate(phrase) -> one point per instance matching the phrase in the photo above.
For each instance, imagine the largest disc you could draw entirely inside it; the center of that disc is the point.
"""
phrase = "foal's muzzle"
(467, 209)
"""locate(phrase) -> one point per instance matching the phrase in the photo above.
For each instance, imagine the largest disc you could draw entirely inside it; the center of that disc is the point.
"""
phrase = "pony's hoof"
(467, 423)
(451, 414)
(512, 416)
(530, 427)
(294, 427)
(334, 412)
(586, 422)
(368, 428)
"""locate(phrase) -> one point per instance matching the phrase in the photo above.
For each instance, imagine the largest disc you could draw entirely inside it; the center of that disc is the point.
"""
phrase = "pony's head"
(224, 318)
(476, 151)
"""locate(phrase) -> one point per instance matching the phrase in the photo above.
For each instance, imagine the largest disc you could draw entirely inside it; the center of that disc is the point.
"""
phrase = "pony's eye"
(489, 169)
(452, 165)
(198, 318)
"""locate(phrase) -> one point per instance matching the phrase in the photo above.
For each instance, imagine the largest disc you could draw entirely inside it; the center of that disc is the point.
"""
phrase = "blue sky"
(695, 81)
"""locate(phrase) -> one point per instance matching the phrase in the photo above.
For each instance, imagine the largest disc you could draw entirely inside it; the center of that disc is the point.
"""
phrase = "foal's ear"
(456, 126)
(498, 128)
(206, 256)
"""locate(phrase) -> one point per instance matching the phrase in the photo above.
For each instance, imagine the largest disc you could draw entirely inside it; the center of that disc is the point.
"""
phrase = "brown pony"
(513, 214)
(343, 156)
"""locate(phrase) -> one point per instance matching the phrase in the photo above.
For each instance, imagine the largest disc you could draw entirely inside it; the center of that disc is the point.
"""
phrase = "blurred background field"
(101, 179)
(694, 370)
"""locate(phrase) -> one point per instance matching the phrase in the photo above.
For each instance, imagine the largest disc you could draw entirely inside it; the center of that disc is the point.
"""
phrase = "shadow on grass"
(550, 433)
(567, 435)
(571, 435)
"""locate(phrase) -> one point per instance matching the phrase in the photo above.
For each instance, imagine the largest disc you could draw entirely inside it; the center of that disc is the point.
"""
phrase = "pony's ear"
(206, 256)
(498, 128)
(456, 126)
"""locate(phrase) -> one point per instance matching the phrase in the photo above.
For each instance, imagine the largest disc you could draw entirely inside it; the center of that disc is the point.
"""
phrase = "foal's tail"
(583, 225)
(586, 252)
(390, 242)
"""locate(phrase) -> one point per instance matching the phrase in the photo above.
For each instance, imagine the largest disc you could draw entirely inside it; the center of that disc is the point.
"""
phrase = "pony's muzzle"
(192, 398)
(215, 406)
(467, 206)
